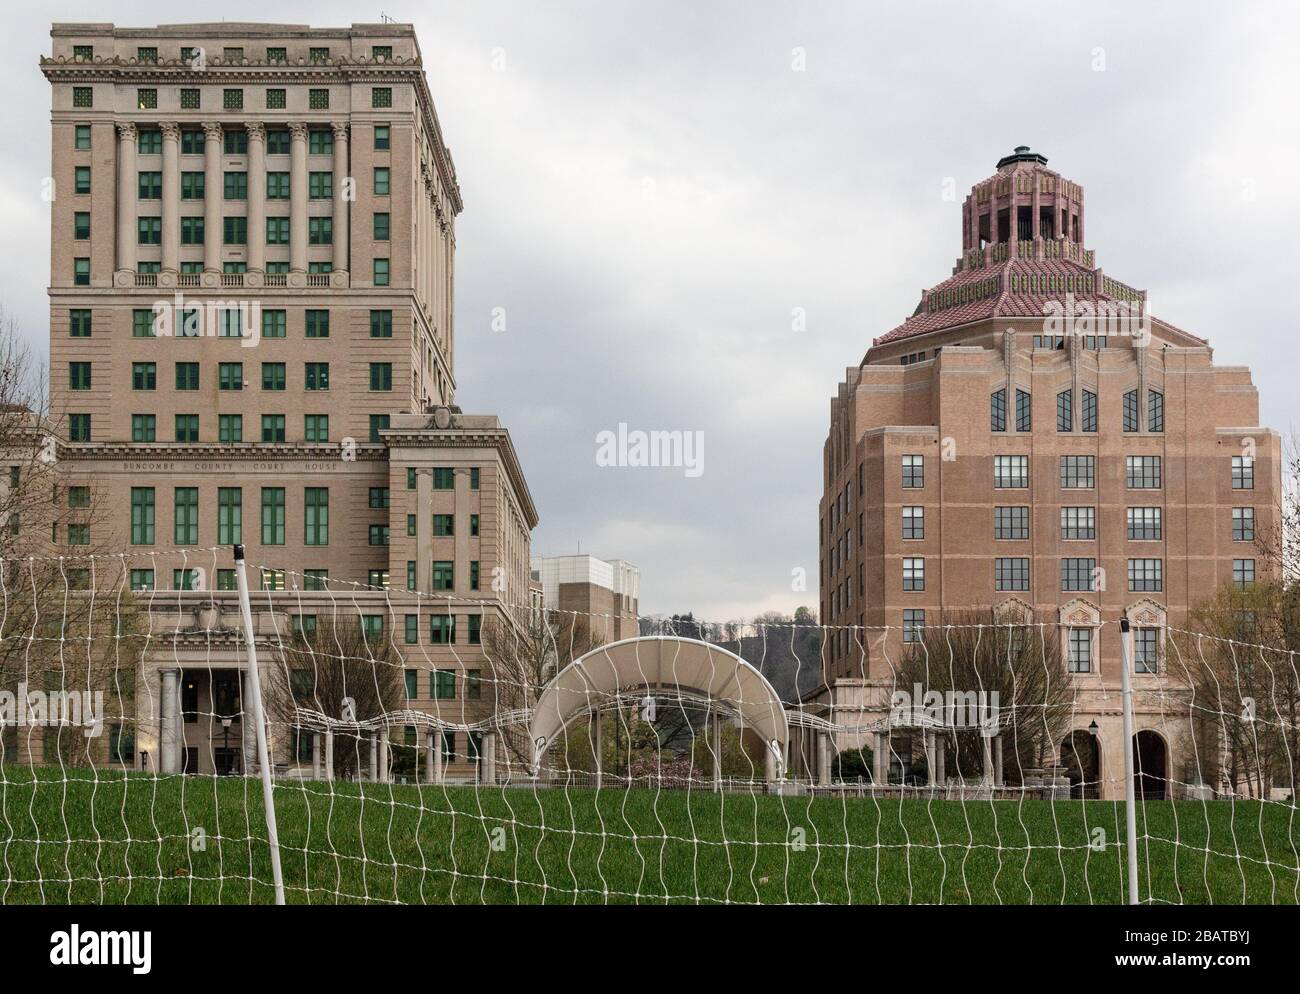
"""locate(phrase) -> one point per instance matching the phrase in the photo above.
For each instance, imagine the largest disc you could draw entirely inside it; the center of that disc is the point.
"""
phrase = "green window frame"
(78, 427)
(230, 376)
(275, 98)
(380, 275)
(81, 225)
(320, 185)
(230, 515)
(277, 186)
(381, 226)
(149, 141)
(473, 478)
(234, 231)
(382, 181)
(443, 682)
(273, 376)
(81, 136)
(192, 185)
(148, 231)
(320, 231)
(320, 141)
(474, 634)
(316, 427)
(235, 185)
(81, 272)
(378, 423)
(83, 96)
(192, 230)
(149, 185)
(81, 179)
(193, 141)
(187, 427)
(412, 623)
(317, 375)
(383, 138)
(230, 428)
(317, 324)
(232, 99)
(277, 231)
(189, 98)
(444, 525)
(412, 676)
(318, 98)
(79, 375)
(444, 478)
(278, 141)
(275, 323)
(273, 515)
(381, 324)
(273, 428)
(187, 376)
(381, 376)
(316, 516)
(142, 516)
(186, 505)
(144, 427)
(144, 376)
(381, 96)
(444, 574)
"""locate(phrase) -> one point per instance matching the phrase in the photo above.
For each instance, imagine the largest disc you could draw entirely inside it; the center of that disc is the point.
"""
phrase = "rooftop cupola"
(1023, 211)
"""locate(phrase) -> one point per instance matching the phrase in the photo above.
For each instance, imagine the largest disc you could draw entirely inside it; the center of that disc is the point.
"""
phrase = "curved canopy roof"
(664, 663)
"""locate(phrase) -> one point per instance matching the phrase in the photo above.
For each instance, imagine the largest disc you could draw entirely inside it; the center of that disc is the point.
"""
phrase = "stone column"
(298, 198)
(424, 530)
(769, 764)
(927, 743)
(212, 193)
(823, 759)
(127, 187)
(879, 761)
(341, 202)
(256, 196)
(385, 763)
(329, 754)
(988, 757)
(488, 759)
(171, 197)
(596, 745)
(715, 734)
(437, 756)
(315, 755)
(941, 759)
(169, 719)
(431, 753)
(997, 760)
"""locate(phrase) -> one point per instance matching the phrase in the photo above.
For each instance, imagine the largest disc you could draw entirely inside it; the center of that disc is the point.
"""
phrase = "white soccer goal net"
(428, 749)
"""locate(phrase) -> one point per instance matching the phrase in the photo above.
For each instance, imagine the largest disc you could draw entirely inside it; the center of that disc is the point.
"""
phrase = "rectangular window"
(1078, 472)
(277, 186)
(79, 376)
(192, 187)
(278, 141)
(316, 427)
(318, 99)
(79, 322)
(1144, 574)
(273, 515)
(1142, 472)
(381, 96)
(275, 99)
(381, 324)
(234, 230)
(1144, 524)
(78, 427)
(1078, 574)
(444, 525)
(381, 181)
(81, 179)
(192, 231)
(1243, 524)
(189, 98)
(378, 423)
(144, 428)
(1146, 649)
(193, 142)
(381, 138)
(381, 272)
(149, 141)
(473, 477)
(913, 573)
(913, 472)
(1011, 573)
(187, 376)
(277, 55)
(81, 139)
(186, 531)
(146, 98)
(230, 428)
(142, 516)
(230, 515)
(381, 376)
(914, 522)
(444, 478)
(320, 231)
(442, 631)
(235, 185)
(273, 376)
(320, 185)
(1010, 522)
(317, 324)
(1065, 410)
(81, 272)
(474, 637)
(1078, 523)
(1243, 473)
(187, 427)
(317, 375)
(1243, 572)
(1010, 471)
(149, 185)
(473, 574)
(379, 534)
(273, 428)
(380, 227)
(148, 231)
(316, 516)
(142, 579)
(998, 410)
(83, 96)
(443, 575)
(1080, 650)
(81, 225)
(913, 624)
(230, 376)
(320, 141)
(232, 99)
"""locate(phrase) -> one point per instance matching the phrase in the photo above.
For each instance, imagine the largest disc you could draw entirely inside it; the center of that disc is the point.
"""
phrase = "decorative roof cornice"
(175, 71)
(232, 452)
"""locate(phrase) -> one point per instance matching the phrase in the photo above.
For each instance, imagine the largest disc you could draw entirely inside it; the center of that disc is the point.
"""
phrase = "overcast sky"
(652, 189)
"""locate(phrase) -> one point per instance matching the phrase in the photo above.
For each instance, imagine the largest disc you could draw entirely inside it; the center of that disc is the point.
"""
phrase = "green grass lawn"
(133, 839)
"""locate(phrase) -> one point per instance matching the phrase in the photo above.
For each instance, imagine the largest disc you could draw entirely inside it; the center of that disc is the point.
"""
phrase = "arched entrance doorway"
(1150, 776)
(1081, 757)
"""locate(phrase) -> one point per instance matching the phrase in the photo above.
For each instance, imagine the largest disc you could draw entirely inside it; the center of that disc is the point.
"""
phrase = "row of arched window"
(1065, 411)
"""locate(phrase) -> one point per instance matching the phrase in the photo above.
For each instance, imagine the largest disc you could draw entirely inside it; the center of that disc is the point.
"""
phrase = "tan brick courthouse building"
(985, 453)
(295, 184)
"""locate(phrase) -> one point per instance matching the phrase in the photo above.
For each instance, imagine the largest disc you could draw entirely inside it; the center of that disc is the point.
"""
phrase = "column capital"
(256, 131)
(340, 130)
(298, 131)
(126, 131)
(212, 130)
(171, 131)
(169, 670)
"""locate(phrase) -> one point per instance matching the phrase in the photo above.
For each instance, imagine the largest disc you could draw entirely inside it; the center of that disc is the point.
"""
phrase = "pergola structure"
(934, 737)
